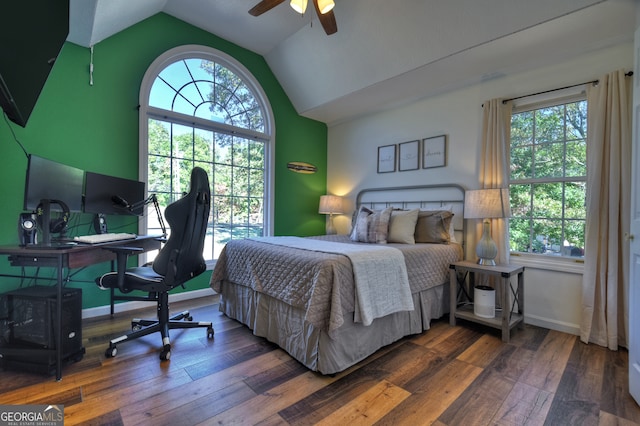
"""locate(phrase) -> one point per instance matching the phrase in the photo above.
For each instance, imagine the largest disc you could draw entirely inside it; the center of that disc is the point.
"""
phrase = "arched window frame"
(146, 111)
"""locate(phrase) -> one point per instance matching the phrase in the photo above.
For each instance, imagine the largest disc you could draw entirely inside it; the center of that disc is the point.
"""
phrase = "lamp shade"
(487, 203)
(299, 6)
(325, 6)
(330, 204)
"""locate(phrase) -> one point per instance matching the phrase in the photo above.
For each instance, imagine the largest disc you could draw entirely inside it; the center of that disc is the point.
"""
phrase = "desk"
(70, 257)
(509, 318)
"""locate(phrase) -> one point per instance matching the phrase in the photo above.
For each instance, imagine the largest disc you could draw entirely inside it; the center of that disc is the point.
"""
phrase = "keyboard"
(103, 238)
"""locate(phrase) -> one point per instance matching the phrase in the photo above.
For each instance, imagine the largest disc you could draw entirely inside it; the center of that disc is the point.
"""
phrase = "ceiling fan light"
(325, 6)
(299, 6)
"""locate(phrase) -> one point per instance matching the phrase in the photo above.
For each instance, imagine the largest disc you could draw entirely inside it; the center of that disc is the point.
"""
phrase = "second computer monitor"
(113, 195)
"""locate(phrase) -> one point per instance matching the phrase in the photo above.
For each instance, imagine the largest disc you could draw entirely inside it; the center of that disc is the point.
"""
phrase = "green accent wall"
(95, 128)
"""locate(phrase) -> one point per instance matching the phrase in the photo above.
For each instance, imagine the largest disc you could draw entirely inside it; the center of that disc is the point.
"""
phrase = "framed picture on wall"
(387, 158)
(434, 152)
(408, 156)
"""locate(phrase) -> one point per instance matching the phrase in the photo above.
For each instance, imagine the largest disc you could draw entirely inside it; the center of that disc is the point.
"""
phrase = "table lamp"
(486, 204)
(330, 204)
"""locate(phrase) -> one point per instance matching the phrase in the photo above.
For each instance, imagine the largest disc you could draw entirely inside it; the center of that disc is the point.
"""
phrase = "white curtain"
(494, 164)
(605, 280)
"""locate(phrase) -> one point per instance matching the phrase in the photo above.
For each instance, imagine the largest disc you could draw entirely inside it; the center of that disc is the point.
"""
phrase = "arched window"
(200, 107)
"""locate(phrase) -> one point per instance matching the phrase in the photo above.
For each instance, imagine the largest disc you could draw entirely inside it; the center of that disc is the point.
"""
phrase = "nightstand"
(509, 318)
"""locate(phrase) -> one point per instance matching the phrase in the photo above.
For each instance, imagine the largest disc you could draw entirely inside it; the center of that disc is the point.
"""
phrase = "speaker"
(28, 321)
(100, 224)
(56, 224)
(27, 228)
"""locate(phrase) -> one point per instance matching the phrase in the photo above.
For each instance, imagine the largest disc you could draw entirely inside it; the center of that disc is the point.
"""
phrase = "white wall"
(553, 297)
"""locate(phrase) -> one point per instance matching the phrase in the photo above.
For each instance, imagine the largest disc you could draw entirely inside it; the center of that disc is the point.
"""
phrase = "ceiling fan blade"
(328, 20)
(264, 6)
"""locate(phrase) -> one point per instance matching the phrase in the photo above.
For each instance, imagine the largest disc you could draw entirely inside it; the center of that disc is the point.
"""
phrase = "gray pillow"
(433, 226)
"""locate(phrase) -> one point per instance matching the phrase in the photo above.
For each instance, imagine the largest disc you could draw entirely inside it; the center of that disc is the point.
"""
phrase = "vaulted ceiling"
(386, 52)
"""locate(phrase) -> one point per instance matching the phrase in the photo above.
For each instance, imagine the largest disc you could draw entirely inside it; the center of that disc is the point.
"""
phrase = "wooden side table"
(509, 318)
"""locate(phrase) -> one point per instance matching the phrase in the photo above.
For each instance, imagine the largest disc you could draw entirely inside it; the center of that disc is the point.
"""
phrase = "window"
(548, 179)
(202, 108)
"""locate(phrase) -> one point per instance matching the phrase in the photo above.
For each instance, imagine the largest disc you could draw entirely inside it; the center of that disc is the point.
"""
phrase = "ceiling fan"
(324, 10)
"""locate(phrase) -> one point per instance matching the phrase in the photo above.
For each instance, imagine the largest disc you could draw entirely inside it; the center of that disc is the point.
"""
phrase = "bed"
(330, 301)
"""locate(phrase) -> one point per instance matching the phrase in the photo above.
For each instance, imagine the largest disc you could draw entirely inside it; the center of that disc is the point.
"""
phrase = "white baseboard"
(552, 324)
(130, 306)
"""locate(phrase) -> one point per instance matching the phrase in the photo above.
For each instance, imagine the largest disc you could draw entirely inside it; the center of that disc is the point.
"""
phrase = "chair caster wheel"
(210, 333)
(166, 353)
(111, 352)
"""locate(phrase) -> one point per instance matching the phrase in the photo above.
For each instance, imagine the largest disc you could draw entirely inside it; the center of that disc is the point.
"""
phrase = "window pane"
(240, 181)
(256, 155)
(547, 200)
(520, 234)
(521, 162)
(159, 137)
(522, 129)
(159, 174)
(577, 120)
(549, 124)
(256, 183)
(223, 149)
(548, 236)
(203, 146)
(575, 202)
(222, 180)
(574, 237)
(549, 160)
(576, 158)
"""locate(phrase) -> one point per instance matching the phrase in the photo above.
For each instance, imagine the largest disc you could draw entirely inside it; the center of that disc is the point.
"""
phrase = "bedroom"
(97, 130)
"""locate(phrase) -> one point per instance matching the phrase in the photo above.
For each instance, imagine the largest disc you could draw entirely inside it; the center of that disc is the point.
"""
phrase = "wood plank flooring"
(461, 375)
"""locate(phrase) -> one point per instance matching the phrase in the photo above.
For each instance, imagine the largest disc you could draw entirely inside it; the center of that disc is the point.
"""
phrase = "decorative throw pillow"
(433, 226)
(402, 226)
(371, 226)
(449, 208)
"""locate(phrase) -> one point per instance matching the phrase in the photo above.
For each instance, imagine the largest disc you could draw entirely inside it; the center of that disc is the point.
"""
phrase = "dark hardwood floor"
(461, 375)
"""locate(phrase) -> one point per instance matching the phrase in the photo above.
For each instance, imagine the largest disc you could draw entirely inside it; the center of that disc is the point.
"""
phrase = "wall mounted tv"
(50, 180)
(112, 195)
(32, 34)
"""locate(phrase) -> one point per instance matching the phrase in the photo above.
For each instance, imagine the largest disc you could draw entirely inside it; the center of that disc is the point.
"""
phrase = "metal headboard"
(419, 196)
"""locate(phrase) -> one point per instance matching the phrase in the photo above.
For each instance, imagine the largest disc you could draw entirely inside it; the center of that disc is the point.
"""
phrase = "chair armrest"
(122, 255)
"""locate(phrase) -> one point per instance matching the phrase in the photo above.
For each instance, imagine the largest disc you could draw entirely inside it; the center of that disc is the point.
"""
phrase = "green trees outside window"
(548, 180)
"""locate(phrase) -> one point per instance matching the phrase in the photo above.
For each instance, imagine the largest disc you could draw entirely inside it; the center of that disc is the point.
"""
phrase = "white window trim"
(549, 263)
(209, 53)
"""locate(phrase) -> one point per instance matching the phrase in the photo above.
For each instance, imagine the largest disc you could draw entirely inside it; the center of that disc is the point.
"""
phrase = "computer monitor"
(113, 195)
(50, 180)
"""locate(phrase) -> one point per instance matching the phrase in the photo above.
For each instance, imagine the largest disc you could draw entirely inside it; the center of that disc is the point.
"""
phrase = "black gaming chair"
(177, 262)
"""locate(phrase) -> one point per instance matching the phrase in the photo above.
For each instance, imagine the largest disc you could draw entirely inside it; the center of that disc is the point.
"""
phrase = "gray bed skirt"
(313, 347)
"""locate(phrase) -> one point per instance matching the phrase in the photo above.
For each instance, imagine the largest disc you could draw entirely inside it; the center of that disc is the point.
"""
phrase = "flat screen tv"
(31, 36)
(113, 195)
(50, 180)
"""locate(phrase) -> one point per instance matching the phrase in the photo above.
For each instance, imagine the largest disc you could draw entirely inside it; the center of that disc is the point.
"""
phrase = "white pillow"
(402, 226)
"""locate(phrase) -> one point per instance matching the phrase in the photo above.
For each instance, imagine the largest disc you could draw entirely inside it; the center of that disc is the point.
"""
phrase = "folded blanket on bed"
(380, 274)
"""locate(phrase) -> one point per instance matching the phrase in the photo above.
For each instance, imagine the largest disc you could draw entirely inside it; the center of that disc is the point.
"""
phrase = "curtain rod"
(629, 74)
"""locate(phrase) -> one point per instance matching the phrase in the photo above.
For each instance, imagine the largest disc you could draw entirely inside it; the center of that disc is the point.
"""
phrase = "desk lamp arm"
(152, 199)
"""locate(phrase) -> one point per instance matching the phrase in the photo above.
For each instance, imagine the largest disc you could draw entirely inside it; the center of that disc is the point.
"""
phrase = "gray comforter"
(321, 284)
